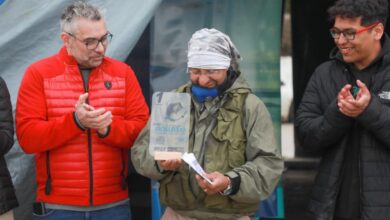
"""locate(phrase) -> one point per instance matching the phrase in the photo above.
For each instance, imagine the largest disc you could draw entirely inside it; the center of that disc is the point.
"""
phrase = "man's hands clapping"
(350, 106)
(89, 117)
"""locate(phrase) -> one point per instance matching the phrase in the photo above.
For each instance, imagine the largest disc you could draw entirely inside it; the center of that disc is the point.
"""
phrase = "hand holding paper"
(220, 183)
(190, 159)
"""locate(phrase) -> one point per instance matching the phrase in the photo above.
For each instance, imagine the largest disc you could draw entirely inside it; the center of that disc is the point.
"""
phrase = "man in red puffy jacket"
(79, 112)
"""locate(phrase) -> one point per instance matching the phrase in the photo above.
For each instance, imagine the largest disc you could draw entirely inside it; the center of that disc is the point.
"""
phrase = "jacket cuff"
(335, 117)
(372, 112)
(235, 180)
(78, 123)
(159, 169)
(106, 134)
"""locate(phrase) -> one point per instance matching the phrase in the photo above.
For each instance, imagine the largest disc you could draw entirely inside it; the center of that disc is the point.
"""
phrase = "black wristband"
(235, 182)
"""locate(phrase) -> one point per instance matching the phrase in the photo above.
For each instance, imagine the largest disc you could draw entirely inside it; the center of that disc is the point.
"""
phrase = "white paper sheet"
(190, 159)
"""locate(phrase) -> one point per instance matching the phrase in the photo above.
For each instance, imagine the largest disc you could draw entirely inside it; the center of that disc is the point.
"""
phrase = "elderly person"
(231, 136)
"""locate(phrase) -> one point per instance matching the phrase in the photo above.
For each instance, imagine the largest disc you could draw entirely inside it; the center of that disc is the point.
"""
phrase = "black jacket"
(7, 193)
(323, 128)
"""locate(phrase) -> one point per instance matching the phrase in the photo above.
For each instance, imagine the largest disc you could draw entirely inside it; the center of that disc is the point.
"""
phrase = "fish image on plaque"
(175, 111)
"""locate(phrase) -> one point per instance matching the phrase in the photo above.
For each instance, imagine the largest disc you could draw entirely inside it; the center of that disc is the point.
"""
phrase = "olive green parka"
(232, 135)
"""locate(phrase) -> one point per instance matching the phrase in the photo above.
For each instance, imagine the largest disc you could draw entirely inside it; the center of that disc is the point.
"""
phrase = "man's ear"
(379, 30)
(65, 39)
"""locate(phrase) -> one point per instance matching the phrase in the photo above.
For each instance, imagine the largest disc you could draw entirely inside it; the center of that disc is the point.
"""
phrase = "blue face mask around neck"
(202, 93)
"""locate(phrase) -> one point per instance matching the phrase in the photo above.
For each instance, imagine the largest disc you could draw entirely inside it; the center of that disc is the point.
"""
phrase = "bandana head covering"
(212, 49)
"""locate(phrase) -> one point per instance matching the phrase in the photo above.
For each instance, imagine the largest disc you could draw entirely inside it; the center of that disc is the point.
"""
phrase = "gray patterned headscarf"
(212, 49)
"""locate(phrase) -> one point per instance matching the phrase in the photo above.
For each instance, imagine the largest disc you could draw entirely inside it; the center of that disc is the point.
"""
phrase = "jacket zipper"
(353, 79)
(89, 139)
(90, 168)
(360, 183)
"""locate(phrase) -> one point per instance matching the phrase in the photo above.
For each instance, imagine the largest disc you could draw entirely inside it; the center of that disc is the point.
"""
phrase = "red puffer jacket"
(73, 166)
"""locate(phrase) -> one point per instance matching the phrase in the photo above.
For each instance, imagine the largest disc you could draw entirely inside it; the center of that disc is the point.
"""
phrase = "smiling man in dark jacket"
(345, 115)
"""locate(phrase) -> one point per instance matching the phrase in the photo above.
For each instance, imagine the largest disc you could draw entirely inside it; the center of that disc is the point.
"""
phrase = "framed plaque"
(169, 127)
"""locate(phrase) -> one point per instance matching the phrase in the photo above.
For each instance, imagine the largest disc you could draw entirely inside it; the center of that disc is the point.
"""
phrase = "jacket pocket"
(230, 134)
(236, 152)
(172, 192)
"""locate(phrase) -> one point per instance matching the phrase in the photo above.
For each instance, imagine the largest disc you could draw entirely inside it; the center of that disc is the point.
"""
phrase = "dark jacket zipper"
(86, 89)
(353, 79)
(90, 168)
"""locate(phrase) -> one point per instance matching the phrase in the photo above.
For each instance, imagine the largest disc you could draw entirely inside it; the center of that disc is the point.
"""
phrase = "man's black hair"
(371, 11)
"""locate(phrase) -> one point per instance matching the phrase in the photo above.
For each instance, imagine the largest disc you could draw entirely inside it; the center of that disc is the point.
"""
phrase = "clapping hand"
(350, 106)
(89, 117)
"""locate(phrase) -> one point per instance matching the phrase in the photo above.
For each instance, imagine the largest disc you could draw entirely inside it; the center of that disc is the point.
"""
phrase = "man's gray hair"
(79, 9)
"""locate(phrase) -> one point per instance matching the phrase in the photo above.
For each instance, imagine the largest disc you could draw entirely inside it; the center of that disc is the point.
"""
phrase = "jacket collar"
(70, 60)
(239, 83)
